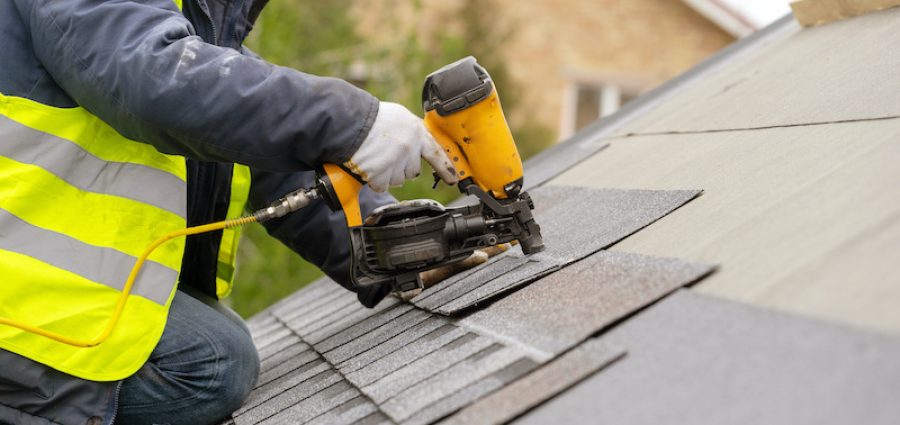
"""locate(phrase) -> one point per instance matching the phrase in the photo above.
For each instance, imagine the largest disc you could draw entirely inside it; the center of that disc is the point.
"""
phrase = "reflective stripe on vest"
(226, 265)
(78, 204)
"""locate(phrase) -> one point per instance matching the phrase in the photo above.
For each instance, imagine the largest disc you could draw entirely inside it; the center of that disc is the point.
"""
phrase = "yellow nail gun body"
(398, 241)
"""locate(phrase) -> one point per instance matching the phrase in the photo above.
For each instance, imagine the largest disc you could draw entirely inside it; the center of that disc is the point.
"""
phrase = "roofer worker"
(121, 121)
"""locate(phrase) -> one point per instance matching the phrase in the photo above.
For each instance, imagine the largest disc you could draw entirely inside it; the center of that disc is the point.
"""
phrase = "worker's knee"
(201, 371)
(238, 370)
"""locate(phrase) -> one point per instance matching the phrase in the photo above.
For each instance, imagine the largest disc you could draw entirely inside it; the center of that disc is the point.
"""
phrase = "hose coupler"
(289, 203)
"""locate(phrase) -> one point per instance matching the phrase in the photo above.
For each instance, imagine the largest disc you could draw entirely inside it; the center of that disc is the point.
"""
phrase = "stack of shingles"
(325, 359)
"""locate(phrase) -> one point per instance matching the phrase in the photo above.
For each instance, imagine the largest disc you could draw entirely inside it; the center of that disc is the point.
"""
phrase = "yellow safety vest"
(78, 204)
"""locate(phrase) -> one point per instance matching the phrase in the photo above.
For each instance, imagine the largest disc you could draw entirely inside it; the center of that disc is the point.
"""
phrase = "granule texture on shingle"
(361, 327)
(407, 354)
(290, 359)
(575, 222)
(397, 342)
(542, 384)
(536, 267)
(376, 337)
(462, 374)
(424, 367)
(275, 346)
(346, 413)
(314, 405)
(451, 402)
(698, 359)
(457, 286)
(289, 380)
(563, 309)
(288, 397)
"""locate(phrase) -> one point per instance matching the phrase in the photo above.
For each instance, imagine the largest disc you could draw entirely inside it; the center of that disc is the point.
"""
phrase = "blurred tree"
(321, 38)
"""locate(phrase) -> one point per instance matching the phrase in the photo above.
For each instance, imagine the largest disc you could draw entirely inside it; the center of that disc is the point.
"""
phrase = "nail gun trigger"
(437, 179)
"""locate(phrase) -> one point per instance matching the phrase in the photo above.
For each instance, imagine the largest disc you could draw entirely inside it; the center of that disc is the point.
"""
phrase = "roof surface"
(792, 136)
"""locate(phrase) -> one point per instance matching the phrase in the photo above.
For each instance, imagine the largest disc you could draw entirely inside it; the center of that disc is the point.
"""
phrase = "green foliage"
(320, 38)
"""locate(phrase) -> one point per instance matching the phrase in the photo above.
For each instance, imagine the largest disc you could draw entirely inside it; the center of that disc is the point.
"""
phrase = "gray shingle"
(424, 367)
(374, 419)
(286, 398)
(347, 413)
(539, 386)
(376, 336)
(406, 355)
(700, 359)
(314, 405)
(273, 334)
(366, 320)
(563, 309)
(459, 399)
(394, 344)
(455, 378)
(278, 345)
(456, 286)
(575, 222)
(280, 385)
(305, 318)
(310, 295)
(536, 267)
(286, 361)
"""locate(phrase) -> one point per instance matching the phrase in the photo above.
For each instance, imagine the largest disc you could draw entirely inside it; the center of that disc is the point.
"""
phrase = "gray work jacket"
(183, 83)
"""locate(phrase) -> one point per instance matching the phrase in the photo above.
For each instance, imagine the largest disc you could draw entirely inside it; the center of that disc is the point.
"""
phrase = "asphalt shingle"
(406, 354)
(539, 386)
(462, 374)
(563, 309)
(315, 405)
(287, 397)
(700, 359)
(397, 342)
(575, 222)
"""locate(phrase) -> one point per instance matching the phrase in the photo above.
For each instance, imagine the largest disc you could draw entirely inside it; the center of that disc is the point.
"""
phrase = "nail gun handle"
(460, 163)
(340, 189)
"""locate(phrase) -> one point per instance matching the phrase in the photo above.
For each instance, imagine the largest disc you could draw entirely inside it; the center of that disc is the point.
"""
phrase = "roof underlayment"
(793, 137)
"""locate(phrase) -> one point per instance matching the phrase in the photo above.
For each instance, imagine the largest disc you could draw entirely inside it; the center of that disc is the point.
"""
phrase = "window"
(584, 103)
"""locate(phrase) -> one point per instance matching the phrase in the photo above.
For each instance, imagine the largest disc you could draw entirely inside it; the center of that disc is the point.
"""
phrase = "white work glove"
(391, 152)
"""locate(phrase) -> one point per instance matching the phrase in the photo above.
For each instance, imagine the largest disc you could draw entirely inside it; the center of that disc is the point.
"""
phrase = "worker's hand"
(391, 152)
(433, 276)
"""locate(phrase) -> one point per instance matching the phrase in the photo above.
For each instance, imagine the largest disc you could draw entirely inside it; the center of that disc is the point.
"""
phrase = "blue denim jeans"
(200, 372)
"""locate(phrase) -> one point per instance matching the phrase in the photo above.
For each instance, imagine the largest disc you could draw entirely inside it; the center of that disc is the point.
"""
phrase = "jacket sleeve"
(140, 67)
(315, 232)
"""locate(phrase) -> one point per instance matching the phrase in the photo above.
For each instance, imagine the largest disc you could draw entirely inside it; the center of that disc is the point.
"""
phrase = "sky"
(761, 12)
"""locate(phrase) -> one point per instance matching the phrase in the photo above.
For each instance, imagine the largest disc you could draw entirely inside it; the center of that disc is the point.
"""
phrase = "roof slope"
(792, 134)
(795, 145)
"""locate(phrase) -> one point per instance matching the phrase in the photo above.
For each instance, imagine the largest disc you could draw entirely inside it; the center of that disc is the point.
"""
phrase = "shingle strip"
(354, 410)
(315, 405)
(406, 338)
(295, 378)
(696, 359)
(563, 309)
(424, 367)
(575, 222)
(359, 325)
(466, 396)
(375, 337)
(542, 384)
(402, 357)
(287, 397)
(422, 395)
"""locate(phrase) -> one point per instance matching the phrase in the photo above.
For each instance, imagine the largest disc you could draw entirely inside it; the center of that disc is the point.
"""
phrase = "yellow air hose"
(129, 283)
(290, 202)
